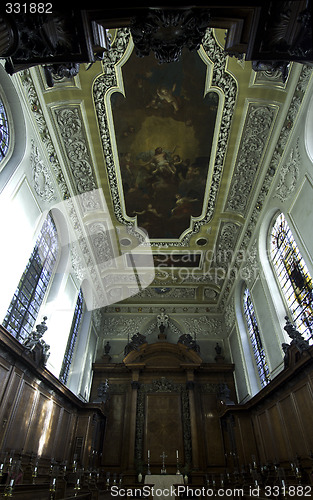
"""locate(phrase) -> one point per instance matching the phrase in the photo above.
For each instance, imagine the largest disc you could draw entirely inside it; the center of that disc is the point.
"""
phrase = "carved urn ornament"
(295, 335)
(167, 32)
(36, 346)
(162, 323)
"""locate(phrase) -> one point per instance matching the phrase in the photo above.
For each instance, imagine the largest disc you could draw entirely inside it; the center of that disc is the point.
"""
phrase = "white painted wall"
(292, 194)
(23, 209)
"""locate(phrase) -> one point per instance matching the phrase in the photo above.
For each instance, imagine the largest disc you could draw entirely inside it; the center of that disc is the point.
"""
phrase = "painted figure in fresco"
(161, 161)
(163, 106)
(165, 97)
(183, 205)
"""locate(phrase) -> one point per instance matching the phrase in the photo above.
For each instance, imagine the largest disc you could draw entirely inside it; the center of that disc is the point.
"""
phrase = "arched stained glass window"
(69, 351)
(293, 276)
(4, 132)
(23, 310)
(255, 338)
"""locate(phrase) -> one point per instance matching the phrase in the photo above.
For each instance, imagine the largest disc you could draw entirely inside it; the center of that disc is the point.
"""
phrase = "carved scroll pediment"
(163, 355)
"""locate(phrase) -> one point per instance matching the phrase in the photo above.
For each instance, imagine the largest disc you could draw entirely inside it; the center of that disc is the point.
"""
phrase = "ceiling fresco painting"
(164, 127)
(164, 130)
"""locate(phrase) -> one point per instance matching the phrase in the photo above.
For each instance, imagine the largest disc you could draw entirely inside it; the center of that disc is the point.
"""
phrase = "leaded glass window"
(23, 310)
(4, 132)
(293, 276)
(69, 351)
(255, 338)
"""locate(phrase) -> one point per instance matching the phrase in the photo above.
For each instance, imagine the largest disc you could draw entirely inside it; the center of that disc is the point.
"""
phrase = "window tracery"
(28, 297)
(4, 132)
(255, 339)
(69, 351)
(293, 276)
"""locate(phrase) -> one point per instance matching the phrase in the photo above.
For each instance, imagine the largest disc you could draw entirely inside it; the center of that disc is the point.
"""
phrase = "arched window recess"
(30, 292)
(293, 276)
(255, 339)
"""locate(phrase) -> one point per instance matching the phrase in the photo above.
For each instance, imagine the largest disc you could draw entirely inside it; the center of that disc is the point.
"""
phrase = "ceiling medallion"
(167, 32)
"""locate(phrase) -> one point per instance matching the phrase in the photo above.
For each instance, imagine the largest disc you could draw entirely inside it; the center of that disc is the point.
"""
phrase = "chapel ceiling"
(184, 154)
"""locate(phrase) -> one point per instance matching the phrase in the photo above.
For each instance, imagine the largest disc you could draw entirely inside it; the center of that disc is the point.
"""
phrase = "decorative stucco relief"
(257, 129)
(41, 173)
(288, 175)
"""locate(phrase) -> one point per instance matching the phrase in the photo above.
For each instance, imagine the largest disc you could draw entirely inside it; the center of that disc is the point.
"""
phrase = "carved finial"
(162, 322)
(295, 335)
(42, 328)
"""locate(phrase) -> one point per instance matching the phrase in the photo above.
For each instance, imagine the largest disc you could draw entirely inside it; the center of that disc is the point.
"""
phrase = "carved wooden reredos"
(153, 404)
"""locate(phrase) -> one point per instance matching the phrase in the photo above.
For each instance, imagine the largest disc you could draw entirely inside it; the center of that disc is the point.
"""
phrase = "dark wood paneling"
(63, 435)
(280, 416)
(304, 406)
(277, 433)
(293, 431)
(113, 439)
(163, 427)
(21, 418)
(38, 414)
(265, 437)
(5, 369)
(214, 448)
(246, 442)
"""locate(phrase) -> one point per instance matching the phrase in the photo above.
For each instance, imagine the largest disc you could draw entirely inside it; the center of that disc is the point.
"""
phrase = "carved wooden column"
(132, 422)
(193, 421)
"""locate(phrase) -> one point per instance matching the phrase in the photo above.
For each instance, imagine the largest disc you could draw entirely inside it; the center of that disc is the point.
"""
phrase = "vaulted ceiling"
(185, 152)
(164, 168)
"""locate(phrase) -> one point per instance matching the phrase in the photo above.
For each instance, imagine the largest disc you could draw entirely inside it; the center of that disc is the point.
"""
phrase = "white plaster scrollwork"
(288, 175)
(204, 326)
(101, 244)
(230, 316)
(41, 173)
(70, 124)
(250, 270)
(122, 326)
(34, 102)
(172, 293)
(77, 264)
(228, 235)
(258, 126)
(210, 294)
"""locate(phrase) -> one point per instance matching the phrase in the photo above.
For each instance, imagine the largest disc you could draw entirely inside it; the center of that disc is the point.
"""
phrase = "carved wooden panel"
(163, 427)
(63, 435)
(114, 430)
(266, 438)
(296, 440)
(34, 442)
(304, 401)
(21, 419)
(7, 404)
(4, 376)
(276, 429)
(278, 434)
(213, 442)
(144, 423)
(49, 432)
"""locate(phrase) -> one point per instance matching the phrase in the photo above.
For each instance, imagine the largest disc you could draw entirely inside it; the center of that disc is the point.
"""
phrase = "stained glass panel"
(23, 310)
(4, 132)
(68, 356)
(255, 338)
(293, 277)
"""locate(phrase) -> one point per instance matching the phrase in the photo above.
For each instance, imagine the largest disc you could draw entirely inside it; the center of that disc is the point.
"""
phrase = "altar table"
(164, 482)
